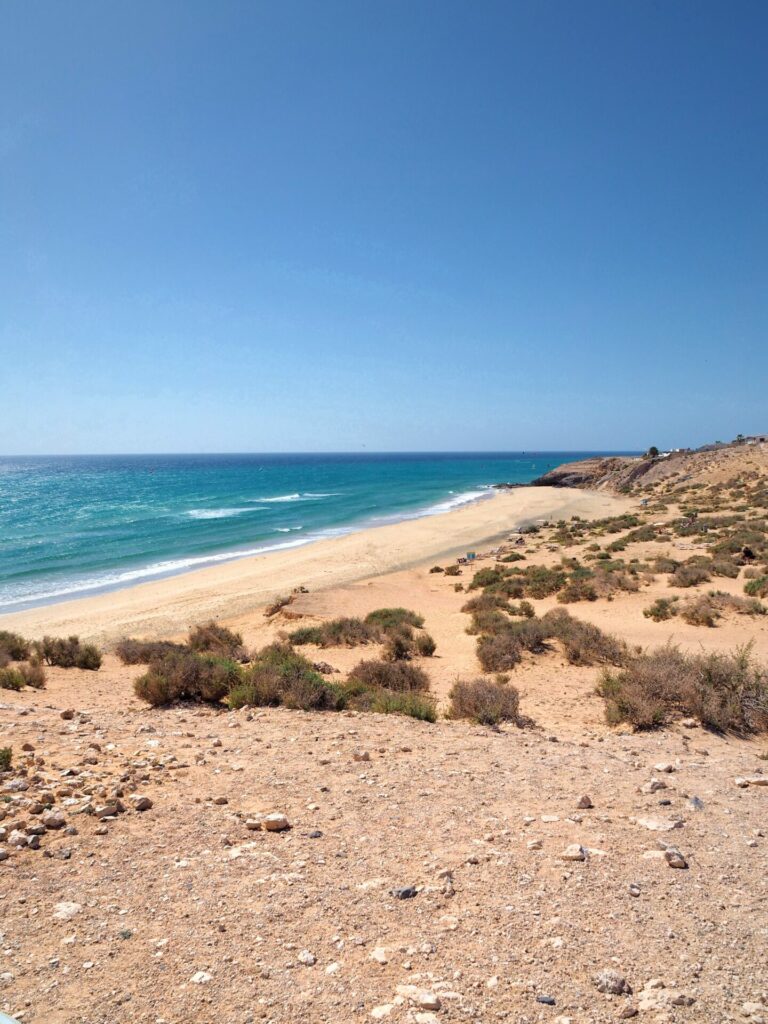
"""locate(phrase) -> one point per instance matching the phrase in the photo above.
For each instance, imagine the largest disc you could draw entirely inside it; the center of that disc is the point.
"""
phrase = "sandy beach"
(233, 589)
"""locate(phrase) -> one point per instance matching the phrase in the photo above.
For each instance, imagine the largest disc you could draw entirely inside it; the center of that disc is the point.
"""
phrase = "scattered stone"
(66, 910)
(361, 755)
(307, 958)
(4, 855)
(547, 1000)
(612, 983)
(674, 858)
(665, 767)
(653, 786)
(141, 803)
(585, 803)
(379, 954)
(406, 893)
(752, 780)
(274, 822)
(201, 978)
(574, 852)
(54, 820)
(634, 890)
(659, 824)
(428, 1001)
(68, 714)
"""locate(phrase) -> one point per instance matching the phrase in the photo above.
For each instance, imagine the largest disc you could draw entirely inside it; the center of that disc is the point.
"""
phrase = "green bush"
(484, 701)
(11, 679)
(757, 587)
(391, 702)
(453, 570)
(583, 643)
(690, 574)
(387, 619)
(437, 568)
(499, 652)
(6, 759)
(343, 632)
(281, 676)
(662, 608)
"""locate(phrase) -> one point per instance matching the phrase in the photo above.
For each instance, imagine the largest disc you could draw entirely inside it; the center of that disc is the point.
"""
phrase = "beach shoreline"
(170, 605)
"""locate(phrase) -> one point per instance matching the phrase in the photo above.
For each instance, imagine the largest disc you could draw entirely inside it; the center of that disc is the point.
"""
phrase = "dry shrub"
(690, 574)
(708, 608)
(13, 646)
(186, 675)
(33, 673)
(583, 643)
(757, 587)
(499, 652)
(453, 570)
(277, 605)
(6, 759)
(142, 652)
(68, 653)
(400, 676)
(485, 701)
(579, 589)
(215, 639)
(726, 692)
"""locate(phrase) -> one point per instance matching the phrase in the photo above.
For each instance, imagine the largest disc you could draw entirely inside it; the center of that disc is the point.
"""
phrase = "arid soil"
(182, 913)
(430, 872)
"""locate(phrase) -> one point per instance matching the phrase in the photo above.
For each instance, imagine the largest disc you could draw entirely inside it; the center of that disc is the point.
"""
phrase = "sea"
(71, 526)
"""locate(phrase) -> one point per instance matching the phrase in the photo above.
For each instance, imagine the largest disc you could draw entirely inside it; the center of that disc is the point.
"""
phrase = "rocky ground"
(430, 873)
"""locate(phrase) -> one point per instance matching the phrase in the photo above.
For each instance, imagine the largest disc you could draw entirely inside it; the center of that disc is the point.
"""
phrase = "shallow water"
(70, 526)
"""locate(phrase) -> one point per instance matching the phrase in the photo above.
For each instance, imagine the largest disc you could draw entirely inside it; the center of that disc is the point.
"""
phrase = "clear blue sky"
(408, 224)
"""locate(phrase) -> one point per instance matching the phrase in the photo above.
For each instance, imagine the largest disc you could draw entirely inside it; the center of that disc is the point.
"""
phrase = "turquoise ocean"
(72, 526)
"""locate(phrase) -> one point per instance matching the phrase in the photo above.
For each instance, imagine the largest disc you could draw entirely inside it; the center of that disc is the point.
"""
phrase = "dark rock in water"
(404, 894)
(547, 1000)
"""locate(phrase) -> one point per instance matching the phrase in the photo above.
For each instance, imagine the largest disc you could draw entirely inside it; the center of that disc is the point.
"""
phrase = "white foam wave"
(167, 568)
(288, 529)
(304, 496)
(219, 513)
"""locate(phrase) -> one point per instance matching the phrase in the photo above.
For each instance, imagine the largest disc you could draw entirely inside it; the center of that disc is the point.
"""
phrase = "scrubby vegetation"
(6, 759)
(278, 675)
(485, 701)
(186, 675)
(68, 653)
(13, 646)
(11, 679)
(502, 642)
(663, 608)
(394, 627)
(215, 639)
(725, 692)
(142, 652)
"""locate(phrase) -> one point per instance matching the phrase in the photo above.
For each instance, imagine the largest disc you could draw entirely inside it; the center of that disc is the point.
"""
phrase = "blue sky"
(244, 226)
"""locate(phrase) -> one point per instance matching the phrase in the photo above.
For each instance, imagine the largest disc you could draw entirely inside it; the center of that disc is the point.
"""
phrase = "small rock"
(574, 852)
(361, 755)
(274, 823)
(547, 1000)
(68, 714)
(201, 978)
(428, 1001)
(634, 890)
(141, 803)
(379, 954)
(585, 804)
(406, 893)
(66, 910)
(307, 958)
(674, 858)
(612, 983)
(665, 767)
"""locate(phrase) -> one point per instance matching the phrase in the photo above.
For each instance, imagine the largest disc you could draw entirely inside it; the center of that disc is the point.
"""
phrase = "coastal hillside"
(665, 472)
(521, 778)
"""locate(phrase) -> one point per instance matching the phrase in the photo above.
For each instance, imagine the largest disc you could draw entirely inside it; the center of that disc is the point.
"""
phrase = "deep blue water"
(76, 525)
